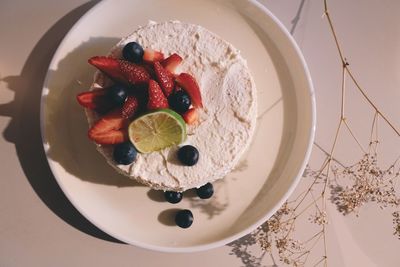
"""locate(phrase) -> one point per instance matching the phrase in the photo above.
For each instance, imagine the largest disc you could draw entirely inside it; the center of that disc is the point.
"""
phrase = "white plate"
(243, 200)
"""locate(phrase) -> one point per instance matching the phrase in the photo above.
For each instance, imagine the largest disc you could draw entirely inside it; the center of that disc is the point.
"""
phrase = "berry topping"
(130, 107)
(173, 197)
(151, 55)
(191, 116)
(189, 84)
(124, 153)
(188, 155)
(179, 101)
(149, 68)
(184, 218)
(96, 100)
(121, 70)
(171, 62)
(133, 52)
(89, 99)
(157, 99)
(107, 130)
(205, 191)
(109, 138)
(164, 78)
(117, 94)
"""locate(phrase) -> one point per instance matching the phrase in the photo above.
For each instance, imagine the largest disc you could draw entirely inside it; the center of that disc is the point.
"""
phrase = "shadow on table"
(24, 127)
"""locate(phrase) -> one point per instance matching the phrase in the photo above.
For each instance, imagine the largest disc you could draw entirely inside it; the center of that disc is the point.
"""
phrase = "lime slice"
(157, 130)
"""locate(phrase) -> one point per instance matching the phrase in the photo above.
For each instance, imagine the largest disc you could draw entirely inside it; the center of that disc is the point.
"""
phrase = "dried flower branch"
(351, 187)
(396, 223)
(367, 183)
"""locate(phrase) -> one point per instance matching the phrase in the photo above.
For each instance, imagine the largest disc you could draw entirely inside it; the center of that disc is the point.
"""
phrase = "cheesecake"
(225, 123)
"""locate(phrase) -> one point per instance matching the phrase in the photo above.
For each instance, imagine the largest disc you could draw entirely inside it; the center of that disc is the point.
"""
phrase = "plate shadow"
(24, 128)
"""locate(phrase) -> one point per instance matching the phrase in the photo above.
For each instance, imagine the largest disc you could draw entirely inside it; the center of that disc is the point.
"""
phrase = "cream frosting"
(226, 123)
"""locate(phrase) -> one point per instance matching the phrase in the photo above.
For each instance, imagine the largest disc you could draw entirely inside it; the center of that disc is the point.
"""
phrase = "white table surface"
(39, 227)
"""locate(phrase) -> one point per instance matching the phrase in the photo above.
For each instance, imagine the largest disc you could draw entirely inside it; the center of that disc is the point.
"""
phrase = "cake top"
(220, 125)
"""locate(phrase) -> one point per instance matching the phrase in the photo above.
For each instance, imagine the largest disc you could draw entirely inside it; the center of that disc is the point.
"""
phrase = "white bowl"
(264, 179)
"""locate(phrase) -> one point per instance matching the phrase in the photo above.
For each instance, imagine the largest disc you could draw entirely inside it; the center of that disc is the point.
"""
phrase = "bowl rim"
(252, 227)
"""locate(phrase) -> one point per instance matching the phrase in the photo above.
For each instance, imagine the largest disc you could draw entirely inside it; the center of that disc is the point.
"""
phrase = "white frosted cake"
(226, 122)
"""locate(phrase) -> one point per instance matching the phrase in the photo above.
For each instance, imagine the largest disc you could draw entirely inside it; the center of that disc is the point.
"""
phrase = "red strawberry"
(189, 84)
(121, 70)
(157, 99)
(171, 62)
(130, 107)
(164, 79)
(149, 68)
(90, 99)
(151, 55)
(191, 116)
(95, 99)
(107, 130)
(111, 138)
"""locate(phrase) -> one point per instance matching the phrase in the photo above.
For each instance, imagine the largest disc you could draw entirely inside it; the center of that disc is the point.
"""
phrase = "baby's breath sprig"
(396, 223)
(349, 188)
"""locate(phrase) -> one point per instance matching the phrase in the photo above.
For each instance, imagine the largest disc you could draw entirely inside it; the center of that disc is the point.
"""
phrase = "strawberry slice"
(91, 99)
(151, 55)
(157, 99)
(121, 70)
(164, 78)
(171, 62)
(191, 116)
(111, 121)
(107, 130)
(149, 68)
(109, 66)
(111, 138)
(189, 84)
(96, 100)
(130, 107)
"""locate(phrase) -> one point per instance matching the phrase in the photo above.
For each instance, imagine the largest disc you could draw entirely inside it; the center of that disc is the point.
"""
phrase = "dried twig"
(350, 187)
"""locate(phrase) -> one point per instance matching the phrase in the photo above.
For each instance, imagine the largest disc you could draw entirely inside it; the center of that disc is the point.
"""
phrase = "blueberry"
(188, 155)
(173, 197)
(179, 101)
(118, 94)
(205, 191)
(124, 153)
(184, 218)
(133, 52)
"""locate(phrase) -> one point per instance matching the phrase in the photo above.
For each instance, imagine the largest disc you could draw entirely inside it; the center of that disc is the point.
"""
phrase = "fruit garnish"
(133, 52)
(164, 78)
(191, 116)
(189, 84)
(130, 107)
(109, 138)
(117, 94)
(173, 197)
(171, 62)
(121, 70)
(157, 130)
(154, 84)
(188, 155)
(151, 55)
(96, 100)
(108, 129)
(149, 68)
(205, 191)
(157, 99)
(124, 153)
(184, 218)
(179, 101)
